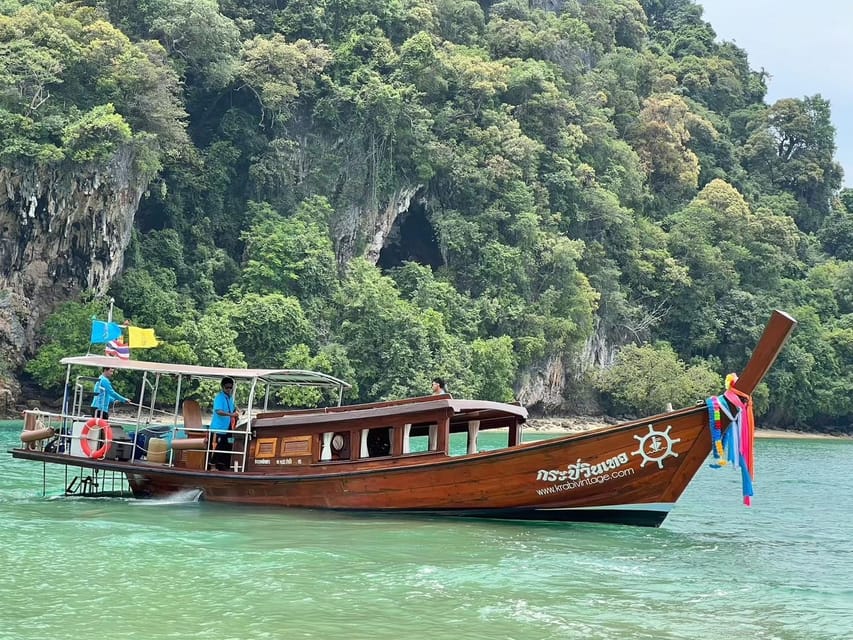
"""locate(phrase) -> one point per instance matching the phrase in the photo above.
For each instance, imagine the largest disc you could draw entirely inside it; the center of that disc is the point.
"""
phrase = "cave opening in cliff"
(411, 239)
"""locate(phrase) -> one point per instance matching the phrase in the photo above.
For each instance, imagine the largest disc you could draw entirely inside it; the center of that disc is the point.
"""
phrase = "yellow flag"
(141, 338)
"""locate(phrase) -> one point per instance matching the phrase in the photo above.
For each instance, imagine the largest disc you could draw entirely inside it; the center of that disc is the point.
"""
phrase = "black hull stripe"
(635, 517)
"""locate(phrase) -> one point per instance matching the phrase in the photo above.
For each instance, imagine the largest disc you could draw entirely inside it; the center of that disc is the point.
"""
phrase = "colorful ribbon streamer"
(737, 444)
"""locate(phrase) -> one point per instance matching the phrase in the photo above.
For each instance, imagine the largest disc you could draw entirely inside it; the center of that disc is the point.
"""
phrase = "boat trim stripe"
(665, 507)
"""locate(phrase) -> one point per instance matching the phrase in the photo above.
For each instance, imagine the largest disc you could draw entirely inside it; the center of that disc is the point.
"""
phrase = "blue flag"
(103, 332)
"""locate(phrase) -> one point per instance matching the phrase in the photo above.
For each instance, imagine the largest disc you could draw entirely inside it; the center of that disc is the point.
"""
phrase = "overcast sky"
(806, 47)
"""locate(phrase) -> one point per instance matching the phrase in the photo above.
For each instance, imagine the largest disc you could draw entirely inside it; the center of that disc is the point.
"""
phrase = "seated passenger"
(439, 387)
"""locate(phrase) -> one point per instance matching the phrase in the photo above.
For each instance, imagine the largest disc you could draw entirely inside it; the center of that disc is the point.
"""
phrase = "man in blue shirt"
(105, 395)
(224, 416)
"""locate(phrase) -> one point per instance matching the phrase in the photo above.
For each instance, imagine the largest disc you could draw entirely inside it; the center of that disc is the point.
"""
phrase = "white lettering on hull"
(581, 470)
(585, 482)
(653, 446)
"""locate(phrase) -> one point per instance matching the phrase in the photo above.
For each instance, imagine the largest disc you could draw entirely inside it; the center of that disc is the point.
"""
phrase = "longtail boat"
(411, 456)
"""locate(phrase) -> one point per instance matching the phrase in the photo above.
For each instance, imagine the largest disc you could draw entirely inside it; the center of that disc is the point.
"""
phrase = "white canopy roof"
(295, 377)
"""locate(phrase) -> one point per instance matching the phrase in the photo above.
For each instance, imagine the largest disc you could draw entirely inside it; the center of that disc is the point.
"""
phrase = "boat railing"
(65, 433)
(200, 440)
(83, 386)
(58, 432)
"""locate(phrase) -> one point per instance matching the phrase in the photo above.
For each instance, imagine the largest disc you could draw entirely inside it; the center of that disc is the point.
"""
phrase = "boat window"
(433, 437)
(326, 446)
(376, 442)
(338, 445)
(418, 444)
(420, 437)
(458, 444)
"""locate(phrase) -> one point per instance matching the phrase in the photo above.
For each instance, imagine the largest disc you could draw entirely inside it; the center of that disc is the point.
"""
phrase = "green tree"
(65, 333)
(495, 368)
(198, 36)
(809, 380)
(418, 283)
(267, 327)
(277, 71)
(836, 232)
(201, 41)
(460, 21)
(291, 255)
(792, 148)
(615, 22)
(212, 340)
(96, 136)
(149, 297)
(70, 76)
(644, 379)
(394, 347)
(662, 138)
(725, 247)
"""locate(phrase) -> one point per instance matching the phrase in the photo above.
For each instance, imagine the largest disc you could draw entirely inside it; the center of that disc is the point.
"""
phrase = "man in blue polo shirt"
(105, 395)
(224, 416)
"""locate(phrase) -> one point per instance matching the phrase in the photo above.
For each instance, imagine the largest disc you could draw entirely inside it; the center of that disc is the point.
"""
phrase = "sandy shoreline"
(779, 433)
(585, 423)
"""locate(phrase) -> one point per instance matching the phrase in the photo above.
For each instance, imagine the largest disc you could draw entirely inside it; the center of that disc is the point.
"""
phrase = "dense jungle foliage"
(587, 175)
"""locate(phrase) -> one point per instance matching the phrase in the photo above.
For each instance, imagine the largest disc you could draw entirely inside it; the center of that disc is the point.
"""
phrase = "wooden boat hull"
(629, 474)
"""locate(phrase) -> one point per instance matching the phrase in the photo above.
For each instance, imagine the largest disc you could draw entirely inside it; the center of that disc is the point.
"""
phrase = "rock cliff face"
(543, 384)
(560, 384)
(62, 230)
(548, 5)
(361, 231)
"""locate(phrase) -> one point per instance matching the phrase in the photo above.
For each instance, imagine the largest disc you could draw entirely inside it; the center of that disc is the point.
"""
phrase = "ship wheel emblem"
(656, 446)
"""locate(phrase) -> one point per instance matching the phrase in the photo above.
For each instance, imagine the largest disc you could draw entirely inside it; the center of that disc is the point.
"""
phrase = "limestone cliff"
(62, 230)
(560, 385)
(364, 231)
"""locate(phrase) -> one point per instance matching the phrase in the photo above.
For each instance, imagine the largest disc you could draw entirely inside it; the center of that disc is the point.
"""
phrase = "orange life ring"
(107, 433)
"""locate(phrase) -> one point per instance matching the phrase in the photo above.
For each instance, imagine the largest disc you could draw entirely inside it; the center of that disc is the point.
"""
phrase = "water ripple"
(782, 570)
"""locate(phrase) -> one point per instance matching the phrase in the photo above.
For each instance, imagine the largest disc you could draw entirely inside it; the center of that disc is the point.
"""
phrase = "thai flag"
(117, 349)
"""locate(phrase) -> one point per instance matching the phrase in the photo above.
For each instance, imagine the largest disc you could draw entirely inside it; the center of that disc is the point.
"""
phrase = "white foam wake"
(185, 496)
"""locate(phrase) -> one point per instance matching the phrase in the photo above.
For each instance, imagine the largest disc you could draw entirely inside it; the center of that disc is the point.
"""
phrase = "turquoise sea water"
(115, 568)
